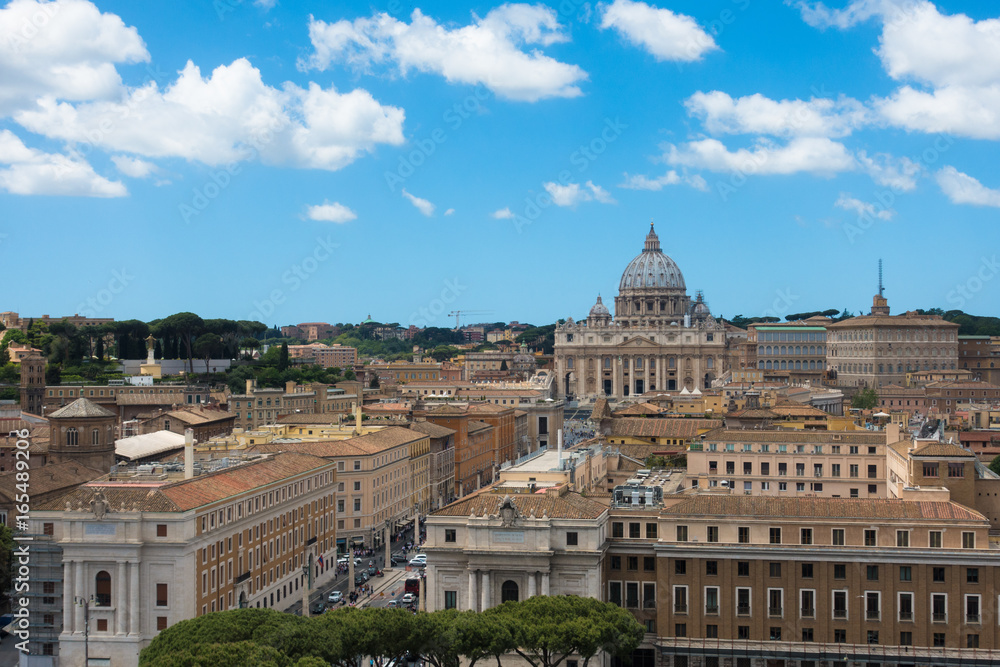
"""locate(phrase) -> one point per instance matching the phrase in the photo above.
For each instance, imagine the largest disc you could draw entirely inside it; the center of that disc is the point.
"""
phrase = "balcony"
(973, 618)
(680, 608)
(711, 609)
(906, 615)
(774, 611)
(840, 613)
(939, 617)
(742, 610)
(808, 612)
(872, 614)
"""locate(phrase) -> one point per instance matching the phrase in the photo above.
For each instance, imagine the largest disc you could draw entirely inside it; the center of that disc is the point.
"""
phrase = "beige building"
(327, 356)
(880, 349)
(659, 339)
(147, 551)
(376, 478)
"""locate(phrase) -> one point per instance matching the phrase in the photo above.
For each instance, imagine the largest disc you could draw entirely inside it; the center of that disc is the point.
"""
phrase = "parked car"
(408, 598)
(318, 608)
(392, 604)
(335, 597)
(418, 563)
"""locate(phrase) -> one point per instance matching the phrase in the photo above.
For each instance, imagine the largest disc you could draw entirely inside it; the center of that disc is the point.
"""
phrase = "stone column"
(545, 583)
(472, 590)
(416, 527)
(486, 590)
(388, 548)
(531, 584)
(616, 383)
(122, 604)
(80, 592)
(133, 621)
(68, 596)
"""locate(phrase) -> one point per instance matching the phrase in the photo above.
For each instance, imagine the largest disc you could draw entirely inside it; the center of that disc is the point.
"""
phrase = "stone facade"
(659, 339)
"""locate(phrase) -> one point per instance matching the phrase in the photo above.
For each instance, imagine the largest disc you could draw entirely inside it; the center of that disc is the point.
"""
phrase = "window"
(572, 539)
(775, 634)
(873, 605)
(775, 535)
(161, 595)
(956, 470)
(649, 563)
(854, 470)
(712, 631)
(743, 568)
(806, 536)
(634, 531)
(971, 641)
(48, 528)
(450, 536)
(840, 604)
(906, 639)
(905, 573)
(102, 585)
(617, 529)
(972, 609)
(939, 608)
(743, 534)
(930, 469)
(680, 599)
(871, 538)
(807, 570)
(775, 569)
(902, 538)
(451, 599)
(632, 594)
(807, 634)
(648, 595)
(774, 602)
(713, 533)
(651, 531)
(682, 533)
(873, 472)
(838, 537)
(680, 630)
(632, 563)
(939, 639)
(161, 530)
(743, 601)
(840, 637)
(972, 575)
(616, 562)
(161, 623)
(807, 602)
(357, 486)
(835, 470)
(873, 488)
(711, 600)
(711, 567)
(937, 575)
(615, 592)
(872, 572)
(743, 632)
(680, 567)
(873, 636)
(968, 540)
(934, 539)
(906, 606)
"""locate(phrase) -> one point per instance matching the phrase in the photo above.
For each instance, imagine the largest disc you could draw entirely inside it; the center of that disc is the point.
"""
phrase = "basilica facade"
(658, 339)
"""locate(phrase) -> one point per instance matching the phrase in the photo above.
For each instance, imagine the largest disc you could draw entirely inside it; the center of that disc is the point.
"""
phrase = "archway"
(102, 584)
(509, 591)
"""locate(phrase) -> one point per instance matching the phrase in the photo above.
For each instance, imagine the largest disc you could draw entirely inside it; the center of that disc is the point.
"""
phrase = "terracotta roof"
(569, 506)
(755, 413)
(645, 450)
(432, 429)
(489, 408)
(446, 410)
(639, 410)
(362, 445)
(978, 436)
(488, 391)
(326, 419)
(149, 399)
(79, 409)
(49, 478)
(184, 495)
(940, 449)
(960, 384)
(198, 415)
(476, 426)
(661, 428)
(902, 320)
(798, 410)
(601, 409)
(834, 508)
(797, 436)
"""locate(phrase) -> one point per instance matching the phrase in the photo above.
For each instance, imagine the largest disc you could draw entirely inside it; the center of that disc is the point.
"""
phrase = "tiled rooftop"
(834, 508)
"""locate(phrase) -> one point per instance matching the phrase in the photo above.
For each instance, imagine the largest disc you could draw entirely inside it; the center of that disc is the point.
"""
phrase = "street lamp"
(85, 603)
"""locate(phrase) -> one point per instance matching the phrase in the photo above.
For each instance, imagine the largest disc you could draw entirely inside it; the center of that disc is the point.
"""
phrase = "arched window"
(607, 362)
(102, 583)
(710, 363)
(72, 437)
(95, 437)
(508, 591)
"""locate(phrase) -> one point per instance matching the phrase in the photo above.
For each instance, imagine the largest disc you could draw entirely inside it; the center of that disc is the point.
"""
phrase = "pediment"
(639, 343)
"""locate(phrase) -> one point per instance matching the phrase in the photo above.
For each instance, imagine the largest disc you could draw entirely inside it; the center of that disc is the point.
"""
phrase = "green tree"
(248, 344)
(99, 347)
(283, 361)
(995, 465)
(188, 326)
(53, 374)
(374, 384)
(655, 461)
(866, 399)
(207, 346)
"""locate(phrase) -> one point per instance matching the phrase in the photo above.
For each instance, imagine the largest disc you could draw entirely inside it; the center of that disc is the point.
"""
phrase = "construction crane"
(459, 313)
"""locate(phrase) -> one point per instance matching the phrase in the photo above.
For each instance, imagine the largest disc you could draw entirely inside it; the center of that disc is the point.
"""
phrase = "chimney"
(189, 452)
(250, 384)
(290, 387)
(357, 417)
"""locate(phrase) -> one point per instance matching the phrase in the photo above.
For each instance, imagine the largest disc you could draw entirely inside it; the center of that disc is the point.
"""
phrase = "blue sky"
(322, 161)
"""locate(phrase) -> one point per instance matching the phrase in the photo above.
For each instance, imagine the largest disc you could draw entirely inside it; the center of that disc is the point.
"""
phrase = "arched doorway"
(102, 584)
(509, 591)
(243, 600)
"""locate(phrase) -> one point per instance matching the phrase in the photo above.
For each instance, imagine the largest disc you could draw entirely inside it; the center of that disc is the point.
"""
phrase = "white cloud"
(661, 32)
(502, 214)
(31, 172)
(961, 188)
(422, 205)
(229, 116)
(487, 51)
(819, 15)
(63, 50)
(331, 212)
(449, 211)
(968, 112)
(756, 114)
(134, 167)
(900, 174)
(863, 209)
(265, 4)
(817, 155)
(641, 182)
(574, 193)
